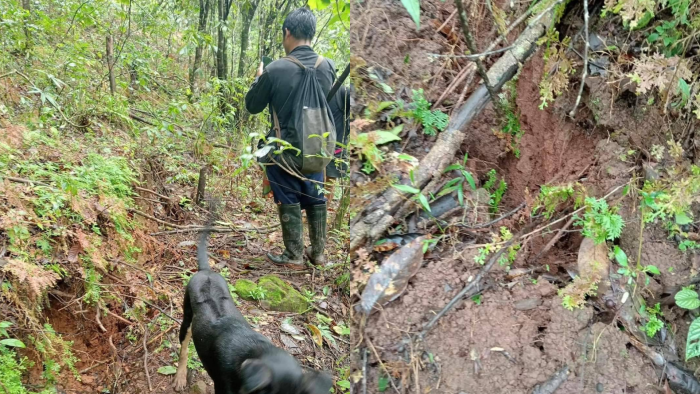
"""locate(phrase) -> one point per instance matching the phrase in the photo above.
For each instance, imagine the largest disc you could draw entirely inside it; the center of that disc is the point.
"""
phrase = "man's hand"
(260, 70)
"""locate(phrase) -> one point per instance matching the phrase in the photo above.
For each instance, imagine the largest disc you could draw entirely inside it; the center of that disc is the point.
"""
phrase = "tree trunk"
(221, 43)
(110, 64)
(248, 13)
(203, 15)
(27, 7)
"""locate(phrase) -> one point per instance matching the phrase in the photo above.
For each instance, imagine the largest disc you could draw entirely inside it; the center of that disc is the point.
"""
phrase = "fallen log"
(378, 216)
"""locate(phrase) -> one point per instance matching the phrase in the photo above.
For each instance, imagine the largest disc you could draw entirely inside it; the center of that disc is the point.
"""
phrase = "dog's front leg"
(185, 338)
(181, 374)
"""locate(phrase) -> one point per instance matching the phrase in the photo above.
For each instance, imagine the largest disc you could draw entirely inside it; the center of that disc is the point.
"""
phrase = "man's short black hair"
(301, 24)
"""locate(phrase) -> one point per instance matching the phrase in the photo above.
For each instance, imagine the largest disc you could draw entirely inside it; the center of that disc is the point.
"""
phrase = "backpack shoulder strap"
(295, 61)
(318, 61)
(276, 123)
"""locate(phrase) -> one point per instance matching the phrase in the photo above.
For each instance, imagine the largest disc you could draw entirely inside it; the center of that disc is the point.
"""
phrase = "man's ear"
(315, 382)
(255, 375)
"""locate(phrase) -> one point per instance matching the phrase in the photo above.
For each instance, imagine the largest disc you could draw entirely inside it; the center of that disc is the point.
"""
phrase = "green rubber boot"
(292, 236)
(316, 216)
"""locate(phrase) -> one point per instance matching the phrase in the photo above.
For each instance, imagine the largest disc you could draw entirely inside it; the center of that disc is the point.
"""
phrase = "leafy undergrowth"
(97, 191)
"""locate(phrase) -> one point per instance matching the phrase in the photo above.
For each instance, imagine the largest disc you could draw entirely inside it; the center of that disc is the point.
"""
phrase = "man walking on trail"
(275, 85)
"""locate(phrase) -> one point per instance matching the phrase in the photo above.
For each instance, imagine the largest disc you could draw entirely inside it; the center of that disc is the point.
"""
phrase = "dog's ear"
(256, 375)
(315, 382)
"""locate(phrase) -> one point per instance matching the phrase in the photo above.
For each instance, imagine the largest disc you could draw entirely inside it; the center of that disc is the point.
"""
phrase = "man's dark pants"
(288, 189)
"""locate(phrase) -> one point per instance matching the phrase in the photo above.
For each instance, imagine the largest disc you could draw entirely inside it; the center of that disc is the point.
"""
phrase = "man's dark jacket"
(279, 80)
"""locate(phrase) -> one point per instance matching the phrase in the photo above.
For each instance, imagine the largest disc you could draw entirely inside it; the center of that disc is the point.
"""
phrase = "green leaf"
(384, 105)
(620, 256)
(469, 178)
(397, 130)
(453, 182)
(5, 324)
(683, 219)
(692, 346)
(424, 202)
(167, 370)
(653, 37)
(453, 168)
(652, 269)
(460, 196)
(406, 189)
(685, 89)
(386, 88)
(383, 383)
(384, 137)
(448, 190)
(344, 384)
(413, 8)
(12, 342)
(687, 299)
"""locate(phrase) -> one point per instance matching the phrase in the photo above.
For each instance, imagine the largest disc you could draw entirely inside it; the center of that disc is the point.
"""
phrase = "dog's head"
(281, 374)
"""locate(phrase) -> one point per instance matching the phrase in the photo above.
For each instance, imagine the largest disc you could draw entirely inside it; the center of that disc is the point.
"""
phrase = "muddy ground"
(518, 334)
(114, 361)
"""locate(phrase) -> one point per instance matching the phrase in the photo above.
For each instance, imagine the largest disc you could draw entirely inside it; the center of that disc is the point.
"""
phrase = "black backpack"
(311, 129)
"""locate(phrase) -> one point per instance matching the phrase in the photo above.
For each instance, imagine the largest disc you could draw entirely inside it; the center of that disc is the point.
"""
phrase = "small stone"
(200, 387)
(448, 288)
(527, 304)
(595, 42)
(599, 387)
(289, 343)
(650, 174)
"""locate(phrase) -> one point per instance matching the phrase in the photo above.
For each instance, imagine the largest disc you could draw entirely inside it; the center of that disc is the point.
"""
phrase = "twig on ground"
(491, 223)
(114, 348)
(364, 370)
(449, 18)
(474, 56)
(123, 320)
(262, 230)
(554, 239)
(151, 191)
(162, 311)
(479, 63)
(97, 364)
(163, 222)
(140, 119)
(130, 265)
(585, 59)
(97, 317)
(381, 363)
(145, 358)
(467, 71)
(25, 181)
(463, 95)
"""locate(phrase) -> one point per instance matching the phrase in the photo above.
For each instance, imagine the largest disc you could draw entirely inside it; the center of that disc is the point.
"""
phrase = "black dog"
(238, 359)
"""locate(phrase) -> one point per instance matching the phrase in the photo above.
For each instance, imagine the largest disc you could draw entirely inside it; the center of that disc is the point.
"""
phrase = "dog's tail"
(202, 244)
(202, 252)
